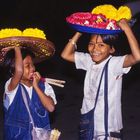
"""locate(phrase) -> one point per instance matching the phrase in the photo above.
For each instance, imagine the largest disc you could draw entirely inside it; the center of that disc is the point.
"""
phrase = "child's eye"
(101, 45)
(91, 44)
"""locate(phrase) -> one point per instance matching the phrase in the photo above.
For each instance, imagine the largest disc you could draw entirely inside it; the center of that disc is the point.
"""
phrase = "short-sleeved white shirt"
(9, 95)
(93, 74)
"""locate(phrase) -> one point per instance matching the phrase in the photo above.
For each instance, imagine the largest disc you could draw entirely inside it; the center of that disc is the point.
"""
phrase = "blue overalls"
(17, 124)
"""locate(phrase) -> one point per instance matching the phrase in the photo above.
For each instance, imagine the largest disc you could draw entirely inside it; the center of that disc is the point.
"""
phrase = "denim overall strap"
(26, 104)
(40, 116)
(105, 69)
(106, 101)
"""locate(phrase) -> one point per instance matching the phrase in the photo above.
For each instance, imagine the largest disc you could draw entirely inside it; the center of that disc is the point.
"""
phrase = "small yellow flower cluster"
(34, 33)
(108, 10)
(29, 32)
(123, 12)
(112, 13)
(9, 32)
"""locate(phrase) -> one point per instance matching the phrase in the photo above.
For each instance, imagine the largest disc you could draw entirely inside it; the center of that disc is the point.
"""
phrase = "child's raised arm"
(18, 69)
(68, 52)
(134, 57)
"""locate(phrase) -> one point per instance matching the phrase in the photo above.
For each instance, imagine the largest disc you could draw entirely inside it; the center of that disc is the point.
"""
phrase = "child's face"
(98, 50)
(29, 68)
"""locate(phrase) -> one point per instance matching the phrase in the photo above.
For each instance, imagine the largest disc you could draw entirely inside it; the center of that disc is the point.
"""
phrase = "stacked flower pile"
(102, 17)
(30, 32)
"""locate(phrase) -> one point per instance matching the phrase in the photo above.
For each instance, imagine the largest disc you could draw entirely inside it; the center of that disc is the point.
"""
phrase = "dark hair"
(109, 39)
(9, 61)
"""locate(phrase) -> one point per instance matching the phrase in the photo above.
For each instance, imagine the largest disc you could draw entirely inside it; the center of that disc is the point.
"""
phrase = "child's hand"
(78, 34)
(36, 78)
(6, 49)
(123, 23)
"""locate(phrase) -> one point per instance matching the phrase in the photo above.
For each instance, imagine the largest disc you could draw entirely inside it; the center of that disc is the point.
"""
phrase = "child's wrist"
(16, 47)
(73, 43)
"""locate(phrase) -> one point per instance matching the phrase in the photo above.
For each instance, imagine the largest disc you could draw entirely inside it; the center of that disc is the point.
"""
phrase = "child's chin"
(96, 61)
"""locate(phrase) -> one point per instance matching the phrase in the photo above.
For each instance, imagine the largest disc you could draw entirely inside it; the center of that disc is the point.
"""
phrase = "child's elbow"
(51, 108)
(63, 55)
(68, 57)
(137, 59)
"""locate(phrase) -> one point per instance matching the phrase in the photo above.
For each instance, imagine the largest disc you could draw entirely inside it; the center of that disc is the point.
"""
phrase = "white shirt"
(9, 95)
(93, 74)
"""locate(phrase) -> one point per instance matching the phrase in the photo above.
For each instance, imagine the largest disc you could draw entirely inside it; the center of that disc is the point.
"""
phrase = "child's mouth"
(31, 76)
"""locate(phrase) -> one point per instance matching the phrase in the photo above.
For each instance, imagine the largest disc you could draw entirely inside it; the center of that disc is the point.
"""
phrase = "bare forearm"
(133, 44)
(134, 57)
(46, 101)
(18, 60)
(68, 52)
(17, 74)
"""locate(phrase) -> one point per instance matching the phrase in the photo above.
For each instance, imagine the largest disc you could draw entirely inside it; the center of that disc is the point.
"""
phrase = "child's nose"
(95, 47)
(32, 68)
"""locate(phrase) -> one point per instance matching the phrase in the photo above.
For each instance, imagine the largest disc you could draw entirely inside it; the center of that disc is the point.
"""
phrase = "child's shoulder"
(117, 58)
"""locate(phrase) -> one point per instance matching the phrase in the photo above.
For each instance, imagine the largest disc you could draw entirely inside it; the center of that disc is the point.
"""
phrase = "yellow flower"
(8, 32)
(112, 13)
(11, 32)
(124, 12)
(108, 10)
(34, 33)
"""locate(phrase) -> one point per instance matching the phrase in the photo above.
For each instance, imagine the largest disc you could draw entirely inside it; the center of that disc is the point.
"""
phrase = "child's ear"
(112, 50)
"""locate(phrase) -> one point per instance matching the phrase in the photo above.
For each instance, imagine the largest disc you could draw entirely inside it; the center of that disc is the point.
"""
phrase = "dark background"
(49, 16)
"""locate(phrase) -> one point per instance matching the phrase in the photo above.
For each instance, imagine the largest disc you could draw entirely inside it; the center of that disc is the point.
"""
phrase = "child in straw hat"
(27, 100)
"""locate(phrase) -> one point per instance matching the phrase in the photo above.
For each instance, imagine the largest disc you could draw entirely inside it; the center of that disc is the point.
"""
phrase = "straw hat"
(32, 39)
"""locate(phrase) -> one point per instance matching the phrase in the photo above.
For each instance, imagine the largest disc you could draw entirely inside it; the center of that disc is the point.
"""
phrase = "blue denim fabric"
(86, 126)
(16, 133)
(17, 124)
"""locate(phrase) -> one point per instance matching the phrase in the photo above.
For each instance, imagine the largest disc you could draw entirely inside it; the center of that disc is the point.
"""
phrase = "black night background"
(49, 16)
